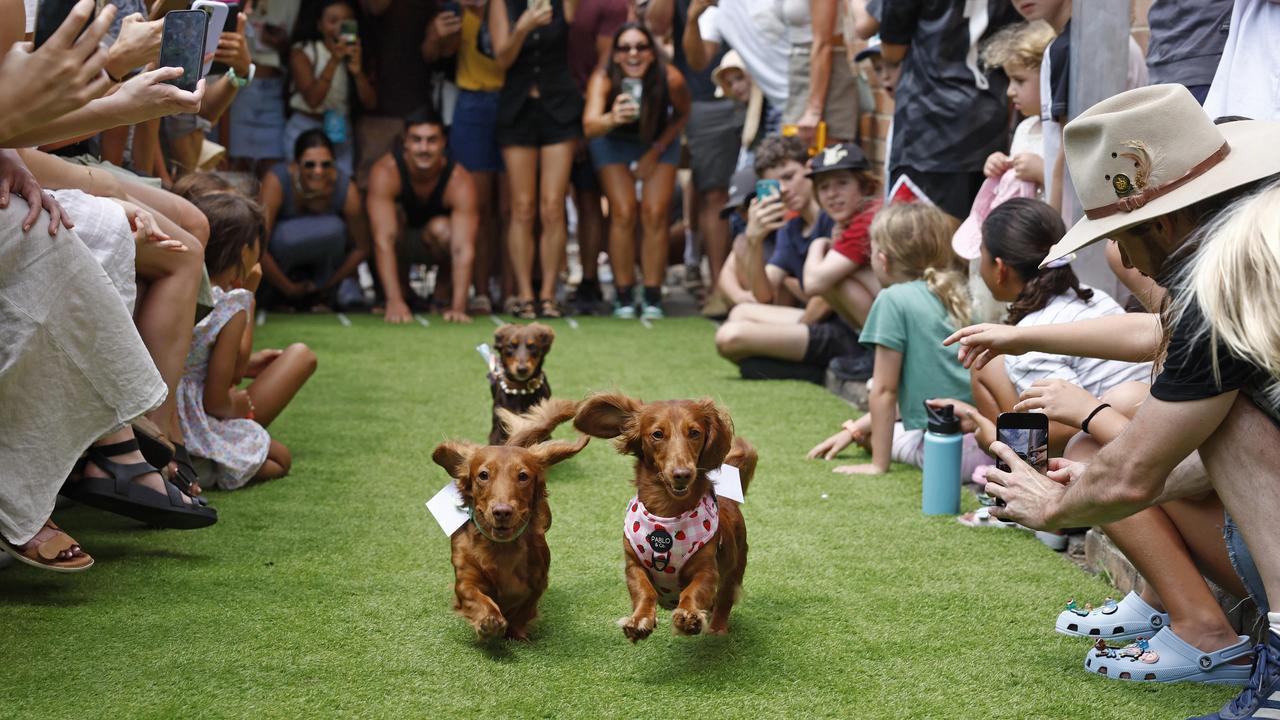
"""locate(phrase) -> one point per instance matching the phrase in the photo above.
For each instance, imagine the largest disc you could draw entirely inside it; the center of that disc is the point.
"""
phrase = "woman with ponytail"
(923, 300)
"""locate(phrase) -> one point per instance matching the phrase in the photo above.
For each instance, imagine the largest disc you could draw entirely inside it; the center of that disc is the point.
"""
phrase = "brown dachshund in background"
(516, 379)
(684, 547)
(500, 557)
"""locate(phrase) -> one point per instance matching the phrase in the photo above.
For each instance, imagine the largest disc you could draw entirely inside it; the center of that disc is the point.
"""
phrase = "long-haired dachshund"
(516, 379)
(684, 547)
(500, 558)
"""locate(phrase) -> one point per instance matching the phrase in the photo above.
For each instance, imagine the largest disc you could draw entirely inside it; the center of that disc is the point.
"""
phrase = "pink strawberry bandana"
(663, 545)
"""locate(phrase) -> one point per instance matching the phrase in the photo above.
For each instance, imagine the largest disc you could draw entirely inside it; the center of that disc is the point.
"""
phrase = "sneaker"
(624, 312)
(652, 312)
(1261, 696)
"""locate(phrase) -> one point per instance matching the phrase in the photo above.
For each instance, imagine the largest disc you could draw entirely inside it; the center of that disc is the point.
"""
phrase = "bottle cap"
(943, 420)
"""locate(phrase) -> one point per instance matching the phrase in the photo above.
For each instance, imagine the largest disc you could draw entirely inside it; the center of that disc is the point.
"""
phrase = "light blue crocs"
(1130, 618)
(1168, 658)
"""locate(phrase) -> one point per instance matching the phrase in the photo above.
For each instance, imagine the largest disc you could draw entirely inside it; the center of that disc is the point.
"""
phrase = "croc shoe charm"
(1110, 606)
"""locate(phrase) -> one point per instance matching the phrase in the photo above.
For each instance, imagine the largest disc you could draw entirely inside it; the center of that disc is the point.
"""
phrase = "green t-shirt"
(908, 318)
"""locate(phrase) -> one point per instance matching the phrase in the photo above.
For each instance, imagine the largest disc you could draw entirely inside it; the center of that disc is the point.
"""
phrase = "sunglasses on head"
(642, 47)
(314, 164)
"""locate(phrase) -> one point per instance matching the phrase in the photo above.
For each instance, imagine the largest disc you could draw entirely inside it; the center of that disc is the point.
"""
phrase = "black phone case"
(50, 14)
(183, 46)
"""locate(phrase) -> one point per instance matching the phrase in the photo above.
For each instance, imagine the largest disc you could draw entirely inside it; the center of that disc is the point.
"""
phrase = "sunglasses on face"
(317, 164)
(628, 49)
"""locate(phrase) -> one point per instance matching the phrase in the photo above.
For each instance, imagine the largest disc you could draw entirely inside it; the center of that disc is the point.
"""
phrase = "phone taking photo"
(182, 45)
(1026, 434)
(50, 14)
(768, 188)
(219, 13)
(451, 6)
(349, 32)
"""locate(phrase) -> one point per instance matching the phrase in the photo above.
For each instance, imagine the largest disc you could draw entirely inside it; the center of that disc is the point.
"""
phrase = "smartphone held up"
(183, 46)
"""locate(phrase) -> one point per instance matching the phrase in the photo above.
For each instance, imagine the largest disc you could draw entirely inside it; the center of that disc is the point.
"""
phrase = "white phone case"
(217, 18)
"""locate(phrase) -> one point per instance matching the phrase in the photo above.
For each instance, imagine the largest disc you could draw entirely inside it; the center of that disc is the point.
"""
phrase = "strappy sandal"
(550, 310)
(186, 478)
(527, 310)
(45, 555)
(155, 446)
(118, 493)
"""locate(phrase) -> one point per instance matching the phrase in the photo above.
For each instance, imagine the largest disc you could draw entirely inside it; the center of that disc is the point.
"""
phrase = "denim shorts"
(610, 150)
(472, 143)
(1242, 561)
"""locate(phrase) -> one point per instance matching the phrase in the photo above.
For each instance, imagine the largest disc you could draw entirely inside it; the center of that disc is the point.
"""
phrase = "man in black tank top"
(422, 208)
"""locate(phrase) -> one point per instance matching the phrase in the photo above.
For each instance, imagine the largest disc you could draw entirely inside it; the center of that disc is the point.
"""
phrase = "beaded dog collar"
(534, 385)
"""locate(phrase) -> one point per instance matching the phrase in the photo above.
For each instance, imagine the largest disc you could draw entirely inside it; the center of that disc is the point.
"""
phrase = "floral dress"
(237, 447)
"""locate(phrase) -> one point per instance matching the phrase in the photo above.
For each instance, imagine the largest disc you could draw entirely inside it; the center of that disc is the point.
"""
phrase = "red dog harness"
(664, 545)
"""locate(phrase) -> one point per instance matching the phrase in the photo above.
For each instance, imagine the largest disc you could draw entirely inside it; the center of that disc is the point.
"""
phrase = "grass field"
(327, 594)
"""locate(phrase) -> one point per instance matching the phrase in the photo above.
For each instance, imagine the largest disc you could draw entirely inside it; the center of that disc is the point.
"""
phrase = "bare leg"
(1241, 458)
(738, 340)
(486, 245)
(591, 231)
(522, 173)
(276, 385)
(655, 207)
(277, 463)
(620, 188)
(853, 296)
(556, 161)
(715, 229)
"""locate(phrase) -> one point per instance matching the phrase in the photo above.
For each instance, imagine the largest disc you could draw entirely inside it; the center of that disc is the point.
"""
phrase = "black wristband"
(1085, 425)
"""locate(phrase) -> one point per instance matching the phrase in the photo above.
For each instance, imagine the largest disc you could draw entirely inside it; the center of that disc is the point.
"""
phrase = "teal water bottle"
(943, 448)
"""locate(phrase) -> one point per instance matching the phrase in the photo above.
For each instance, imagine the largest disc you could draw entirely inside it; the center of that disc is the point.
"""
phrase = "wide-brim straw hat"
(1151, 151)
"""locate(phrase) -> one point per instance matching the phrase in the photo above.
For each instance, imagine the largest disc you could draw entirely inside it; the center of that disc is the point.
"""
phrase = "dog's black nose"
(502, 513)
(683, 475)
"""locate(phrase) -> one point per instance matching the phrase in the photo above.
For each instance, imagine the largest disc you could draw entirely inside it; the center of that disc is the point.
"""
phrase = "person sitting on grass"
(774, 341)
(417, 181)
(924, 299)
(318, 230)
(220, 421)
(838, 269)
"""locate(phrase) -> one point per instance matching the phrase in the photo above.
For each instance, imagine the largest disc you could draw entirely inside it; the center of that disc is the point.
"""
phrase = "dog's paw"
(519, 634)
(714, 629)
(685, 622)
(493, 626)
(636, 629)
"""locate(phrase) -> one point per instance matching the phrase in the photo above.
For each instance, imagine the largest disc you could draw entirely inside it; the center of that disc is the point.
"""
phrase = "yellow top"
(476, 71)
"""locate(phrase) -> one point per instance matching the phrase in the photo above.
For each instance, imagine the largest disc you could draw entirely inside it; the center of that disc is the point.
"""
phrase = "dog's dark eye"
(483, 476)
(657, 435)
(523, 476)
(693, 433)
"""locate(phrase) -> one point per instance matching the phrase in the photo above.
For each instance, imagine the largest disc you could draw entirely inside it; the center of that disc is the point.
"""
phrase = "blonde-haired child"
(923, 300)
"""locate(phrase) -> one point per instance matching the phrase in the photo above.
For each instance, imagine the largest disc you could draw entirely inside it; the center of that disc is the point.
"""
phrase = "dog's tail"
(743, 456)
(536, 425)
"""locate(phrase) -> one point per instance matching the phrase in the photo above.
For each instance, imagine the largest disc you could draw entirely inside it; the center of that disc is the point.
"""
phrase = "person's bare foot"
(152, 480)
(46, 534)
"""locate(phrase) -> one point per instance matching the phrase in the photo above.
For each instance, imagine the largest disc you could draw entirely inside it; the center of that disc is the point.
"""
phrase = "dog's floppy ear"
(546, 336)
(554, 451)
(719, 429)
(500, 336)
(455, 458)
(604, 415)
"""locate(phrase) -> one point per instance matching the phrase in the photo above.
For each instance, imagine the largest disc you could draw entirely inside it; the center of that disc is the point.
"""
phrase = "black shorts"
(830, 339)
(533, 126)
(952, 191)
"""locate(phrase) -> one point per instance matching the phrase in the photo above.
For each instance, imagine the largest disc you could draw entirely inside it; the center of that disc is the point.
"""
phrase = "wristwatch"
(241, 82)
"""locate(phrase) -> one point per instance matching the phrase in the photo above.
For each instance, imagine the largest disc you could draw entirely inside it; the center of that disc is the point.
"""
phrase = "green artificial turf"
(328, 593)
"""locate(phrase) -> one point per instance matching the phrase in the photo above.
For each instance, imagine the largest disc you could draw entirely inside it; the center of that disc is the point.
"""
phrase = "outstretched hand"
(980, 344)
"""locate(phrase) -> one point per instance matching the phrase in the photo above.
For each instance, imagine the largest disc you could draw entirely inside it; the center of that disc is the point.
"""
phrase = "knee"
(623, 213)
(524, 210)
(654, 214)
(738, 314)
(282, 457)
(192, 220)
(552, 211)
(729, 339)
(306, 358)
(1127, 397)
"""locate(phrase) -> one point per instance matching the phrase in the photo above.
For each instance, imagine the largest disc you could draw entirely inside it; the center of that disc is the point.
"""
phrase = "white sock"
(1273, 619)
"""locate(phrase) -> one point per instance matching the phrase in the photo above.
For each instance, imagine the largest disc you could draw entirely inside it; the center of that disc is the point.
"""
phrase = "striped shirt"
(1096, 376)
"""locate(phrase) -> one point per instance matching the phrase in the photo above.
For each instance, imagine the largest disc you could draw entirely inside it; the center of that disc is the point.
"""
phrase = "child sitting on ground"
(923, 301)
(839, 269)
(1016, 49)
(221, 422)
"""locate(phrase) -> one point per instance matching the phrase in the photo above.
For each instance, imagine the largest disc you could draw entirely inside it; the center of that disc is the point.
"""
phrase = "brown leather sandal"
(45, 555)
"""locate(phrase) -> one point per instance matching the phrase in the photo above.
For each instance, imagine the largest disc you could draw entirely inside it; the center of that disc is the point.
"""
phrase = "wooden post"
(1099, 69)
